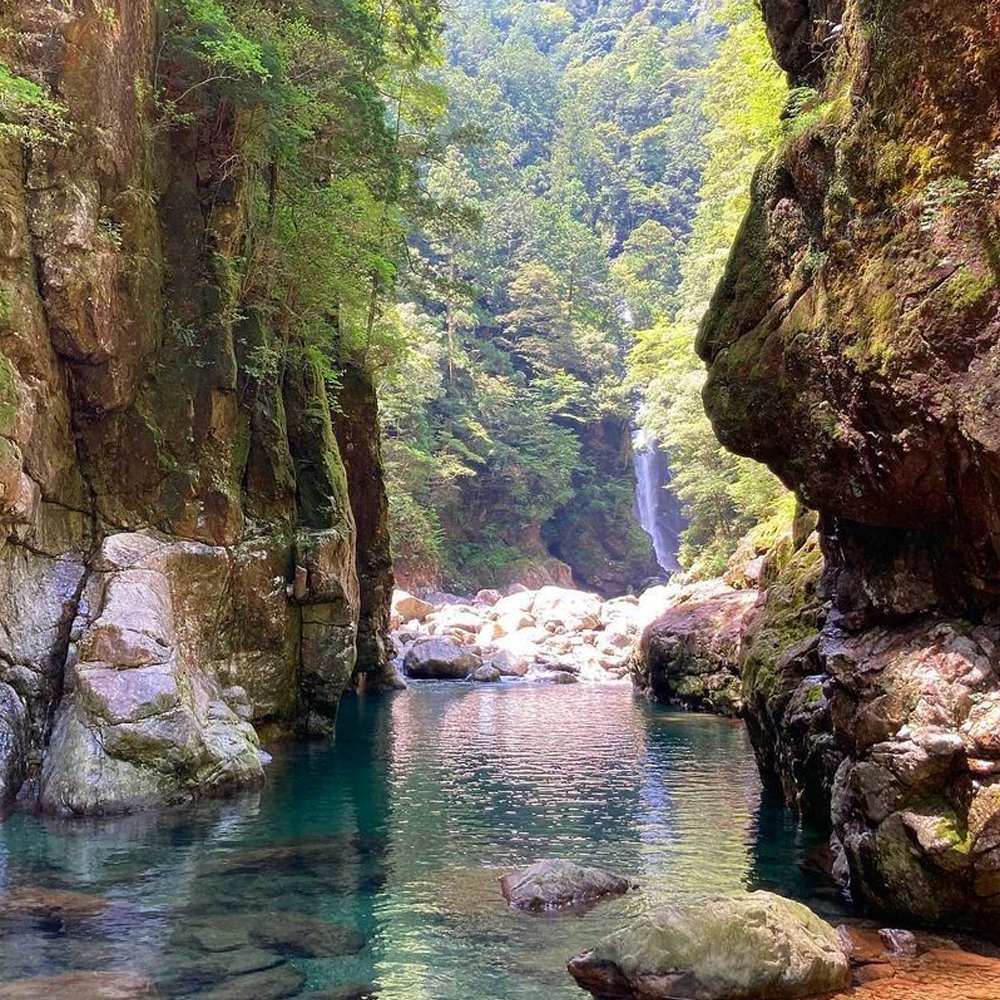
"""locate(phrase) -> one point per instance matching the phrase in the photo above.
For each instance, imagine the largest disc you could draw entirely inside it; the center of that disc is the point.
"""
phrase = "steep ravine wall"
(854, 346)
(181, 566)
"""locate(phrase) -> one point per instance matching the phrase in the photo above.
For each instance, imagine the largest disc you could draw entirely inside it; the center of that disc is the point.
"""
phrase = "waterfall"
(656, 508)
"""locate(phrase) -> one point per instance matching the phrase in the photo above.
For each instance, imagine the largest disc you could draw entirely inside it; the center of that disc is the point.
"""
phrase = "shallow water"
(399, 832)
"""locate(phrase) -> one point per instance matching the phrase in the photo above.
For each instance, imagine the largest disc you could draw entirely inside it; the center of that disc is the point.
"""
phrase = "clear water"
(401, 830)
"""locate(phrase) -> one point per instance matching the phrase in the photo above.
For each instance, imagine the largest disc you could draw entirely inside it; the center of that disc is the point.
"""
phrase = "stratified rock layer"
(180, 556)
(854, 346)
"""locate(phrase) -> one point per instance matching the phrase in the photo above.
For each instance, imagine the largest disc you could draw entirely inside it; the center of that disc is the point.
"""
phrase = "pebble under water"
(369, 868)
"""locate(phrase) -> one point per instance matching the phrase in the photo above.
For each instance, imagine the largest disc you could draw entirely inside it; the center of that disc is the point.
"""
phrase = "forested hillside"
(748, 113)
(598, 163)
(564, 203)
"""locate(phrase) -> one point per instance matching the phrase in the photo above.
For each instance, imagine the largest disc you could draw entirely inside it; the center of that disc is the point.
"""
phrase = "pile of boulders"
(553, 634)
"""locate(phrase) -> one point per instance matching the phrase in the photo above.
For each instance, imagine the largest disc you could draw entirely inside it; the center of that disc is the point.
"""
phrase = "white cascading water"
(649, 483)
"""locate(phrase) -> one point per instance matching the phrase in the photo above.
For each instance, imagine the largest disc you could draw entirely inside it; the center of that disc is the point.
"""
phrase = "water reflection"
(376, 861)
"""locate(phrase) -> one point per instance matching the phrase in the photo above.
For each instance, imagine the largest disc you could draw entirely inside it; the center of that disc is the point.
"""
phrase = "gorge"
(300, 302)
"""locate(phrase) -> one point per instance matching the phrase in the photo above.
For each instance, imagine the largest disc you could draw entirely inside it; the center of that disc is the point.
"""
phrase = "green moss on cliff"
(8, 395)
(791, 613)
(968, 287)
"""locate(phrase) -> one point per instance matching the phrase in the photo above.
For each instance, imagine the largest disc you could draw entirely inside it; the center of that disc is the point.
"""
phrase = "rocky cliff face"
(854, 346)
(191, 547)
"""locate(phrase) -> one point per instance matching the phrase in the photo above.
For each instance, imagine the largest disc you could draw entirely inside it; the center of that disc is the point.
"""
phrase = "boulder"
(519, 602)
(552, 884)
(267, 984)
(559, 677)
(572, 609)
(718, 948)
(50, 905)
(488, 634)
(406, 607)
(283, 931)
(488, 597)
(513, 621)
(143, 721)
(440, 659)
(509, 664)
(456, 616)
(916, 799)
(690, 654)
(485, 674)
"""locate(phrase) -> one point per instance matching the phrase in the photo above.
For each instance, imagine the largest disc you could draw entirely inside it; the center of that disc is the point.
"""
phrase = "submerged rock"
(346, 991)
(51, 905)
(81, 986)
(441, 659)
(284, 931)
(269, 984)
(718, 948)
(551, 884)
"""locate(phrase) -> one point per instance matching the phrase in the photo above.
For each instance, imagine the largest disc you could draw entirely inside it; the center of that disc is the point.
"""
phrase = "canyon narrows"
(652, 346)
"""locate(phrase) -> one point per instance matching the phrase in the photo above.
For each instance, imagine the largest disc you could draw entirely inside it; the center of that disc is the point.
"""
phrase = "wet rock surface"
(718, 948)
(690, 655)
(554, 884)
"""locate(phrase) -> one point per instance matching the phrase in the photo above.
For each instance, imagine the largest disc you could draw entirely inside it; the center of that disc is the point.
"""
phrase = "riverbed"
(397, 834)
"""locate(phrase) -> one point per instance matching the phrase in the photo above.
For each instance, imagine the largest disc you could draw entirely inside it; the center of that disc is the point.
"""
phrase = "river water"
(397, 834)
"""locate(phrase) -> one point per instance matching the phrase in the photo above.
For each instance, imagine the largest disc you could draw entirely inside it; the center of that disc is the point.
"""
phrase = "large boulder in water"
(690, 654)
(718, 948)
(549, 885)
(440, 659)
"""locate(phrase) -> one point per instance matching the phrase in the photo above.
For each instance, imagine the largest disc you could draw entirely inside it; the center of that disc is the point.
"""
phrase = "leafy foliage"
(312, 94)
(27, 113)
(723, 495)
(553, 235)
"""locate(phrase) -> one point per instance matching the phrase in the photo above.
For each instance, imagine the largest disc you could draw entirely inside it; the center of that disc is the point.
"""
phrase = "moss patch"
(8, 396)
(791, 614)
(966, 287)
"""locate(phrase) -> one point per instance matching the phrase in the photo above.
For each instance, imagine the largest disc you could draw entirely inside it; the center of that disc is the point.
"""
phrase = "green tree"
(722, 494)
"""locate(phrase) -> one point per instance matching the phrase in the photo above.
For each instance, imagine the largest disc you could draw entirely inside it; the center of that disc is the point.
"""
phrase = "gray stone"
(269, 984)
(440, 658)
(552, 884)
(485, 674)
(718, 948)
